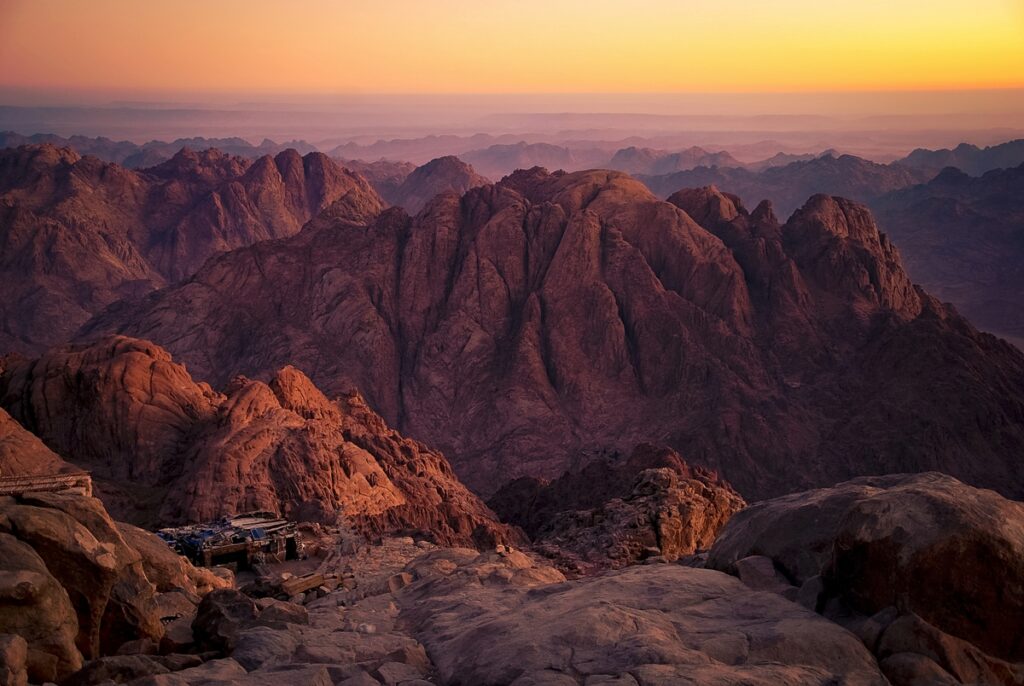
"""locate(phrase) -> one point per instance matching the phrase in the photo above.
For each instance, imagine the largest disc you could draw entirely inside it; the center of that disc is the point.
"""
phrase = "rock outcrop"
(77, 234)
(23, 454)
(553, 314)
(504, 619)
(615, 511)
(163, 448)
(927, 571)
(75, 589)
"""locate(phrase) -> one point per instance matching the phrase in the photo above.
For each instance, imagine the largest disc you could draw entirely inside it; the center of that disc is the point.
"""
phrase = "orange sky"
(498, 46)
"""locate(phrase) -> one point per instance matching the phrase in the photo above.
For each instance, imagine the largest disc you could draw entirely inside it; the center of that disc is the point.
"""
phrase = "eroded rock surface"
(77, 234)
(552, 314)
(617, 510)
(165, 448)
(504, 619)
(919, 564)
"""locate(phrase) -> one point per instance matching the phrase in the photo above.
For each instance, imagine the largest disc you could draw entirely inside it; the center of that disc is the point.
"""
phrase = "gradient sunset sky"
(480, 46)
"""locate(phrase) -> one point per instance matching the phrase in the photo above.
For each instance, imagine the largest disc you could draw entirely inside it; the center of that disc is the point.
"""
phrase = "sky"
(160, 48)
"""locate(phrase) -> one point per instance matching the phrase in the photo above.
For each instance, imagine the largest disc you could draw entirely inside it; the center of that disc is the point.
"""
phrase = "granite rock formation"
(927, 571)
(615, 511)
(163, 448)
(550, 314)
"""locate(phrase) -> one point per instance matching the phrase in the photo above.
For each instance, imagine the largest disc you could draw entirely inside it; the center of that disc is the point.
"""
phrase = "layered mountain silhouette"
(548, 314)
(77, 234)
(789, 185)
(968, 158)
(634, 160)
(139, 156)
(963, 239)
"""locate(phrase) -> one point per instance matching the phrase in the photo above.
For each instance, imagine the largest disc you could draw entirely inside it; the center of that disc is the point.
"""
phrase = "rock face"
(962, 238)
(496, 620)
(442, 175)
(616, 511)
(36, 607)
(23, 454)
(384, 175)
(102, 574)
(915, 564)
(165, 448)
(788, 185)
(551, 314)
(73, 586)
(77, 234)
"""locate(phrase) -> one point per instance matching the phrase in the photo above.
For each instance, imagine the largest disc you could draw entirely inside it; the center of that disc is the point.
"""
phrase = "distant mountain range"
(962, 238)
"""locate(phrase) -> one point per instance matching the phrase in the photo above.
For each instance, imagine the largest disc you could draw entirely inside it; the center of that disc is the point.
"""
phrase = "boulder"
(921, 543)
(166, 569)
(13, 660)
(36, 607)
(220, 617)
(278, 613)
(496, 619)
(118, 668)
(130, 610)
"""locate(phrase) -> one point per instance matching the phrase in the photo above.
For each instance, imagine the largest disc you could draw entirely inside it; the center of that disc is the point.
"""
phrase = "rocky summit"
(551, 315)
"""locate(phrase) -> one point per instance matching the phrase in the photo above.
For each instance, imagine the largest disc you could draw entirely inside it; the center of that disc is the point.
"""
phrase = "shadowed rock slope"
(165, 448)
(552, 313)
(963, 238)
(77, 233)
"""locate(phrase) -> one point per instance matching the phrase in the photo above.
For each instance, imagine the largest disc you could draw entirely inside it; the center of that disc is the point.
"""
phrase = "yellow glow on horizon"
(496, 46)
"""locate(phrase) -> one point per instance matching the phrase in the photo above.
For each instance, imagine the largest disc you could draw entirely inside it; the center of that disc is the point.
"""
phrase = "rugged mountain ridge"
(553, 313)
(151, 153)
(165, 449)
(77, 234)
(962, 237)
(789, 185)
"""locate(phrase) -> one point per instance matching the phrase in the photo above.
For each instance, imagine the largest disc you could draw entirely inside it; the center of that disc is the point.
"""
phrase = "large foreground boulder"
(618, 510)
(34, 606)
(504, 619)
(892, 548)
(74, 588)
